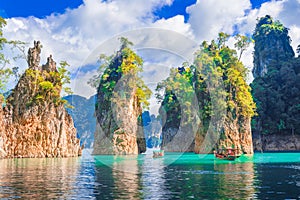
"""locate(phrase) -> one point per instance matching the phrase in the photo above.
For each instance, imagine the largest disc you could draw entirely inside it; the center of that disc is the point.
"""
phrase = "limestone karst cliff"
(120, 96)
(208, 105)
(272, 45)
(34, 122)
(276, 90)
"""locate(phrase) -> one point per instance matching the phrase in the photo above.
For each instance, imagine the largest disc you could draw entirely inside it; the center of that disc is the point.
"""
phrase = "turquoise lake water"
(175, 176)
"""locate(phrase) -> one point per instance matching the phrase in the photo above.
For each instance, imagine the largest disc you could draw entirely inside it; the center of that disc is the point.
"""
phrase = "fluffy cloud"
(295, 35)
(209, 17)
(286, 11)
(248, 22)
(78, 35)
(289, 16)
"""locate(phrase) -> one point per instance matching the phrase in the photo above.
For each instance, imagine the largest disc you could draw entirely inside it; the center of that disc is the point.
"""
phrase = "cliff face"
(237, 134)
(118, 108)
(227, 132)
(220, 114)
(272, 45)
(3, 137)
(276, 92)
(118, 132)
(180, 125)
(34, 122)
(276, 142)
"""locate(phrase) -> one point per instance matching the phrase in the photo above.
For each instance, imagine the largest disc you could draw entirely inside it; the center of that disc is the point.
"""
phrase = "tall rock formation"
(208, 105)
(118, 106)
(34, 122)
(180, 122)
(276, 88)
(272, 45)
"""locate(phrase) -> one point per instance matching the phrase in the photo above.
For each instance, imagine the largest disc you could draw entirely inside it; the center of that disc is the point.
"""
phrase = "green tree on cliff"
(124, 63)
(218, 79)
(178, 91)
(276, 90)
(217, 66)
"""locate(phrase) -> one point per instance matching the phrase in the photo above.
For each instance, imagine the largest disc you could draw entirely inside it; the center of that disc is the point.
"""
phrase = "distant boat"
(227, 154)
(158, 153)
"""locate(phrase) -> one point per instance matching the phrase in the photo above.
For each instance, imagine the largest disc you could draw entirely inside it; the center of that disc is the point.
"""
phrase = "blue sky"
(43, 8)
(37, 8)
(165, 32)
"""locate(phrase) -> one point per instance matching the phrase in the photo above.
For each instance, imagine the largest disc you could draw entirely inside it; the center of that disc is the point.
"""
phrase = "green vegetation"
(65, 76)
(45, 85)
(272, 45)
(5, 72)
(217, 77)
(48, 85)
(178, 91)
(124, 64)
(276, 92)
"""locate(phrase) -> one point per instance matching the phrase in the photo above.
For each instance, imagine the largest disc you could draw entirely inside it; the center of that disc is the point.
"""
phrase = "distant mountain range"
(85, 121)
(83, 116)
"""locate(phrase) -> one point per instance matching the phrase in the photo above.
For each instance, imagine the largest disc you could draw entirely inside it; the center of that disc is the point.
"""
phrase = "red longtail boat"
(227, 154)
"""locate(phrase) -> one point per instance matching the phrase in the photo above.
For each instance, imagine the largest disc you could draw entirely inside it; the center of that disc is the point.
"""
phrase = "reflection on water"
(126, 178)
(233, 181)
(37, 178)
(174, 176)
(153, 179)
(278, 181)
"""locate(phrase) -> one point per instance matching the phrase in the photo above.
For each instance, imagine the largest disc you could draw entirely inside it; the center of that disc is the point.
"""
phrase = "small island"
(34, 122)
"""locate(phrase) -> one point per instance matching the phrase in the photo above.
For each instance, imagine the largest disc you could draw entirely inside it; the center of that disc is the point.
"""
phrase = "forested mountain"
(277, 90)
(224, 104)
(121, 94)
(152, 129)
(276, 86)
(83, 114)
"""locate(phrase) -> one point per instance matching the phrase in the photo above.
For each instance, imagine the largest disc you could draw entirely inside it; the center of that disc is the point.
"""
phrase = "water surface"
(175, 176)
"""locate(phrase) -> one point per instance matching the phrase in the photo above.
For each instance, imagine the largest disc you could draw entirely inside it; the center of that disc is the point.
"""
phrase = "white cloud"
(209, 17)
(286, 11)
(80, 85)
(289, 16)
(76, 34)
(289, 13)
(295, 35)
(248, 22)
(80, 35)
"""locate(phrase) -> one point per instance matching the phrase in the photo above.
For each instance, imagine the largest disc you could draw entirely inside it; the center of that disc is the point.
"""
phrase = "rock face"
(274, 45)
(276, 92)
(118, 133)
(208, 105)
(178, 133)
(238, 134)
(118, 112)
(34, 122)
(234, 133)
(277, 142)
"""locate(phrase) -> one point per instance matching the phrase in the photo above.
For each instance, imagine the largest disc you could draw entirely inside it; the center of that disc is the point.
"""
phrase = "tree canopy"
(124, 62)
(218, 79)
(276, 92)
